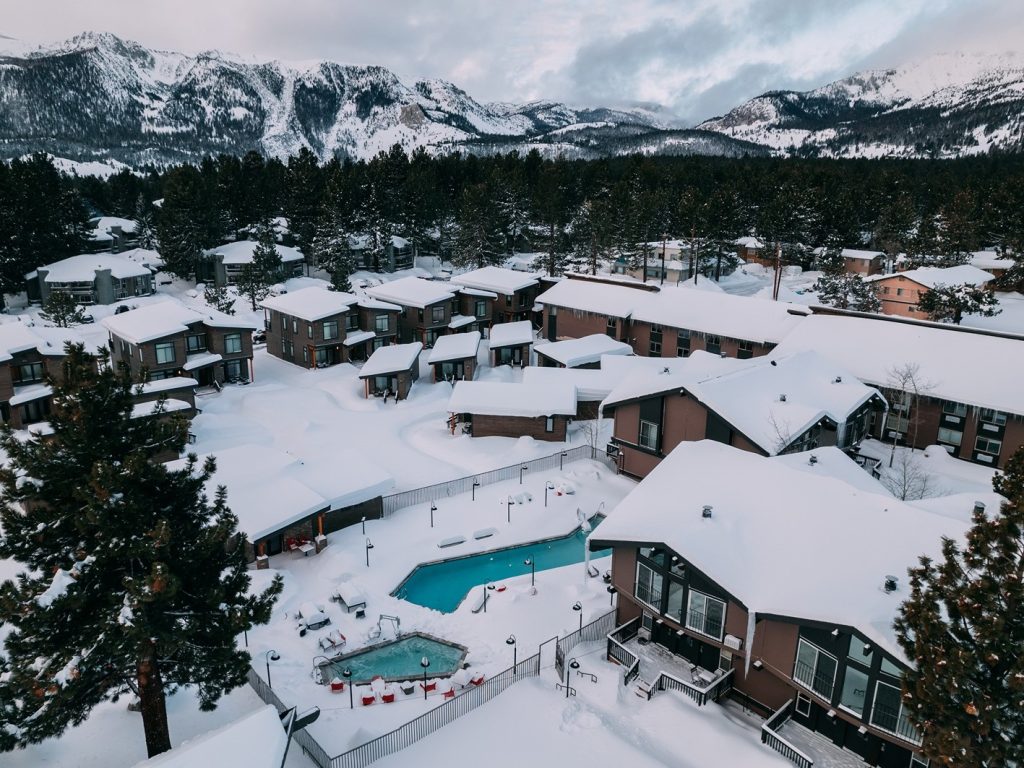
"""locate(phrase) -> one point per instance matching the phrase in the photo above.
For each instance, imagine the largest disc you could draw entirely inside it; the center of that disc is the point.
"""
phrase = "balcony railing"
(649, 595)
(618, 652)
(811, 678)
(699, 621)
(895, 722)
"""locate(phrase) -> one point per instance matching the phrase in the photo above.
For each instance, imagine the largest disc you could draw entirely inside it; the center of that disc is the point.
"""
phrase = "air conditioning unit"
(731, 641)
(611, 450)
(644, 634)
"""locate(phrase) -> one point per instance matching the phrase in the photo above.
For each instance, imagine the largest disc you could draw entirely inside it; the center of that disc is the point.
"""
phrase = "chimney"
(979, 507)
(837, 380)
(706, 512)
(782, 397)
(813, 460)
(890, 584)
(774, 363)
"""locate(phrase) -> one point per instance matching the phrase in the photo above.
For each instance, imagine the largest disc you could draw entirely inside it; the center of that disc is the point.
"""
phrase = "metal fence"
(305, 740)
(598, 629)
(713, 691)
(396, 501)
(619, 653)
(770, 737)
(437, 718)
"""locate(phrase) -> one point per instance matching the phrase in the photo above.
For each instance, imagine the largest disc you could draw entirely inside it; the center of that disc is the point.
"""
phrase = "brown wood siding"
(519, 426)
(775, 644)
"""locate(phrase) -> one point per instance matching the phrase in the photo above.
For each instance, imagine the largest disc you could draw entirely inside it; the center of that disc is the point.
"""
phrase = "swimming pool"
(445, 584)
(400, 659)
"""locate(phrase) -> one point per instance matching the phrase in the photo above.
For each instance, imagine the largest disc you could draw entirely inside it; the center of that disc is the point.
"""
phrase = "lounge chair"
(337, 685)
(408, 688)
(429, 687)
(332, 641)
(477, 679)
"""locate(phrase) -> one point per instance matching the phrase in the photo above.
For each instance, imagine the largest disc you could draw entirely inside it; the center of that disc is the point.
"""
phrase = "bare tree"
(905, 388)
(591, 431)
(908, 480)
(783, 433)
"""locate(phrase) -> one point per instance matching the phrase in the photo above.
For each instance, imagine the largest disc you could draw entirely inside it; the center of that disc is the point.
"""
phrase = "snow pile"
(515, 334)
(583, 351)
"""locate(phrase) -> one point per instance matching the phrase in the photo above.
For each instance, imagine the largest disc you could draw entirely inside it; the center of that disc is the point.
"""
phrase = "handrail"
(620, 654)
(771, 737)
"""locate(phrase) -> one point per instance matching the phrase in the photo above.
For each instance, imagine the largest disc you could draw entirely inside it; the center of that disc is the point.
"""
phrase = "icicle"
(751, 623)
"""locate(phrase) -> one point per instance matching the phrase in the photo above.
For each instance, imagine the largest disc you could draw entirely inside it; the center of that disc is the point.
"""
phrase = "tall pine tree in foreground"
(133, 576)
(963, 627)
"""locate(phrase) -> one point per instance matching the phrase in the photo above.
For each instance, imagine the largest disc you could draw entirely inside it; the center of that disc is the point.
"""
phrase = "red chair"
(388, 698)
(337, 686)
(429, 687)
(450, 693)
(478, 680)
(368, 699)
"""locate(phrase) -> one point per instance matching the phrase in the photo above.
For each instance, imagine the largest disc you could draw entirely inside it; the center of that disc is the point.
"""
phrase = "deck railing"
(771, 737)
(595, 630)
(393, 502)
(713, 691)
(618, 652)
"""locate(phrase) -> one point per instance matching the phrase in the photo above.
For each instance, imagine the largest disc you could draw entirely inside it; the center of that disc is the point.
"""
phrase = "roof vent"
(722, 355)
(979, 507)
(891, 582)
(813, 460)
(665, 369)
(706, 512)
(782, 397)
(774, 363)
(837, 380)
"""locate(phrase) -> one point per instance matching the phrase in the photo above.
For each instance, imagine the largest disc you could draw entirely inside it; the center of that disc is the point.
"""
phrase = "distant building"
(398, 254)
(499, 409)
(391, 370)
(428, 307)
(514, 291)
(224, 264)
(859, 262)
(900, 292)
(112, 234)
(99, 278)
(453, 357)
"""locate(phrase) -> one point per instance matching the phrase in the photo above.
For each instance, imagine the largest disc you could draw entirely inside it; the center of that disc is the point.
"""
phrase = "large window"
(682, 343)
(987, 445)
(232, 343)
(746, 350)
(950, 436)
(352, 321)
(887, 713)
(655, 344)
(713, 344)
(437, 314)
(648, 586)
(815, 669)
(705, 614)
(29, 373)
(988, 416)
(675, 600)
(649, 435)
(380, 323)
(164, 352)
(481, 308)
(35, 410)
(855, 689)
(195, 343)
(330, 330)
(954, 409)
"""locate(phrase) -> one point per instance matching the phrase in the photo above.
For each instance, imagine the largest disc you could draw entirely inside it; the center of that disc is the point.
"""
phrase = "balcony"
(810, 678)
(648, 595)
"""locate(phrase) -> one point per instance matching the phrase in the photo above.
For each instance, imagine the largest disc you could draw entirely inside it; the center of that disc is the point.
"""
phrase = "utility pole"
(777, 282)
(664, 244)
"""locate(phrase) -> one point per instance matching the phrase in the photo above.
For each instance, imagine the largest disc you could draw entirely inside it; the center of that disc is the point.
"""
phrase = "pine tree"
(1012, 279)
(132, 576)
(949, 303)
(220, 299)
(145, 229)
(62, 310)
(179, 227)
(480, 240)
(303, 196)
(847, 291)
(331, 249)
(264, 270)
(963, 628)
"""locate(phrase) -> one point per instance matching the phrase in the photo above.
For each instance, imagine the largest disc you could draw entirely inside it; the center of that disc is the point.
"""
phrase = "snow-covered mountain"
(948, 105)
(97, 96)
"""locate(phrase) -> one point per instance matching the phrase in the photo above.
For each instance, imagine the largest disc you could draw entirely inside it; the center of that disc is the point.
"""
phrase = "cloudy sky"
(698, 58)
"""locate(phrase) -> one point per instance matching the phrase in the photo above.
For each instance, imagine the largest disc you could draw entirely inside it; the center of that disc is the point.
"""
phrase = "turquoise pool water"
(400, 660)
(443, 586)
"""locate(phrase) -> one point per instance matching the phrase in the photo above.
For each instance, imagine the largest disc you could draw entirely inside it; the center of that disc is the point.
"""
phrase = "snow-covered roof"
(201, 360)
(83, 268)
(144, 256)
(964, 366)
(598, 298)
(643, 376)
(255, 740)
(479, 293)
(412, 292)
(748, 242)
(360, 242)
(18, 337)
(991, 260)
(356, 337)
(749, 544)
(311, 304)
(493, 398)
(832, 462)
(368, 303)
(455, 346)
(584, 350)
(853, 253)
(930, 277)
(269, 489)
(170, 405)
(391, 359)
(461, 321)
(165, 318)
(511, 334)
(497, 279)
(168, 384)
(592, 384)
(29, 393)
(241, 251)
(103, 224)
(723, 314)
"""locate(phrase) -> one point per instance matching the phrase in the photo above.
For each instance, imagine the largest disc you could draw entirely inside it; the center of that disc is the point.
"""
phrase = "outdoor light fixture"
(476, 484)
(561, 459)
(533, 570)
(369, 546)
(424, 662)
(522, 469)
(611, 594)
(577, 606)
(269, 657)
(573, 664)
(364, 524)
(547, 487)
(347, 674)
(512, 641)
(433, 509)
(758, 664)
(508, 509)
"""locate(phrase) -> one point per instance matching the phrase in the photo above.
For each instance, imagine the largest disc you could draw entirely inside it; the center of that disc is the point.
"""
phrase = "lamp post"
(424, 662)
(561, 459)
(522, 468)
(270, 656)
(547, 487)
(533, 569)
(364, 525)
(515, 659)
(369, 546)
(476, 484)
(611, 594)
(347, 674)
(433, 509)
(573, 664)
(578, 607)
(508, 509)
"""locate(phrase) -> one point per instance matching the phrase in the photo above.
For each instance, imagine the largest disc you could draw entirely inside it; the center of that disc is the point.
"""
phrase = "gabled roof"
(511, 334)
(165, 318)
(598, 298)
(18, 337)
(931, 277)
(592, 384)
(412, 292)
(583, 351)
(965, 366)
(455, 346)
(255, 740)
(241, 251)
(312, 304)
(845, 540)
(83, 268)
(853, 253)
(496, 279)
(393, 358)
(491, 398)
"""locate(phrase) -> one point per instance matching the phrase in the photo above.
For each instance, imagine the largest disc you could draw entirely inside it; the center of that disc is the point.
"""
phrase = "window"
(380, 323)
(295, 325)
(379, 342)
(419, 315)
(284, 323)
(746, 350)
(815, 669)
(330, 330)
(987, 445)
(855, 689)
(609, 328)
(648, 586)
(29, 373)
(35, 410)
(309, 330)
(437, 314)
(899, 291)
(705, 614)
(888, 668)
(713, 344)
(429, 337)
(682, 344)
(803, 705)
(196, 343)
(481, 308)
(164, 352)
(885, 289)
(233, 370)
(158, 375)
(232, 343)
(860, 651)
(305, 355)
(649, 435)
(287, 349)
(674, 610)
(988, 416)
(887, 712)
(954, 409)
(950, 436)
(352, 321)
(549, 424)
(508, 300)
(919, 761)
(655, 344)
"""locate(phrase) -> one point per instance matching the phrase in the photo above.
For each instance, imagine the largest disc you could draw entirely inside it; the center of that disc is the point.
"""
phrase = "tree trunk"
(551, 251)
(153, 704)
